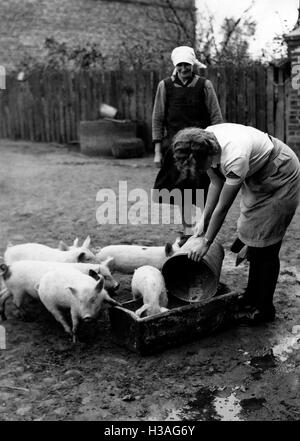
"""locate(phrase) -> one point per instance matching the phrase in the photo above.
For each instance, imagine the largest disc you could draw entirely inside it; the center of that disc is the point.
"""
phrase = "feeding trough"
(181, 324)
(197, 306)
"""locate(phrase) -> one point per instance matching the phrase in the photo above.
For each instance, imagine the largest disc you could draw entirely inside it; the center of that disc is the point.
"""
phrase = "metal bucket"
(194, 281)
(107, 111)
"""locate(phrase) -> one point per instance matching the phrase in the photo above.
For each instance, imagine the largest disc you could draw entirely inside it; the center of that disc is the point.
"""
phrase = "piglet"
(22, 277)
(148, 283)
(127, 258)
(37, 251)
(73, 291)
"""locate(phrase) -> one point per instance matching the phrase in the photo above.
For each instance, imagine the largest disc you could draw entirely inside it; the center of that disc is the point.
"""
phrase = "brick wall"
(24, 26)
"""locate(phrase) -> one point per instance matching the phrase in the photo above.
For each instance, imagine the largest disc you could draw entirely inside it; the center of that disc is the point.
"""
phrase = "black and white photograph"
(149, 213)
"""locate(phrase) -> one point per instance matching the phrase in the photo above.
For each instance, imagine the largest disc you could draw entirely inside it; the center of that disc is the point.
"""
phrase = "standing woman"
(268, 173)
(182, 100)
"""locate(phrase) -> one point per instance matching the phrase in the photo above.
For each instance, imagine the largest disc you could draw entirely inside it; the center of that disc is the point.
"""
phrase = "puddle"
(262, 363)
(207, 406)
(286, 347)
(174, 415)
(228, 408)
(279, 353)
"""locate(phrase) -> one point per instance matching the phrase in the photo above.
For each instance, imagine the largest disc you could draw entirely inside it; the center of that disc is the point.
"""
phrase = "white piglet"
(37, 251)
(75, 292)
(148, 283)
(22, 277)
(127, 258)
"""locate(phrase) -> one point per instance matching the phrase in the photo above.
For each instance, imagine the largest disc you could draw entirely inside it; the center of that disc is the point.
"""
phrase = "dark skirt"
(168, 175)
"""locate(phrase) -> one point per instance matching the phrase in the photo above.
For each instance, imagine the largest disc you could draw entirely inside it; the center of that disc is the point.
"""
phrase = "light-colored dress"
(270, 174)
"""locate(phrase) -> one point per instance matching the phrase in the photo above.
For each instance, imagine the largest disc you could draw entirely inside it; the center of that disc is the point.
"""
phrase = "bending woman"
(268, 173)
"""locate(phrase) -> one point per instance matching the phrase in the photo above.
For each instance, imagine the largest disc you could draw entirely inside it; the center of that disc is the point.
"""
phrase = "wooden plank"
(30, 114)
(13, 110)
(241, 97)
(88, 96)
(46, 107)
(73, 96)
(21, 111)
(270, 101)
(261, 99)
(50, 104)
(82, 87)
(231, 95)
(38, 109)
(222, 91)
(68, 106)
(76, 102)
(55, 103)
(3, 105)
(8, 123)
(33, 106)
(251, 97)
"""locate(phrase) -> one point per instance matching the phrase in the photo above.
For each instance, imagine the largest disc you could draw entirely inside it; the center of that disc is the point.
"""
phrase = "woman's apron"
(269, 198)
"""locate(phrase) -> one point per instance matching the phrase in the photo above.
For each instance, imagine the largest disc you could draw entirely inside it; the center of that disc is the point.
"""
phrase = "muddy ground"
(48, 193)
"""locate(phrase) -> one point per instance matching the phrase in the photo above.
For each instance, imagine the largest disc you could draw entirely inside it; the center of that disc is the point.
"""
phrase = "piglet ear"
(109, 300)
(4, 270)
(62, 246)
(168, 249)
(93, 274)
(100, 284)
(87, 242)
(81, 257)
(75, 243)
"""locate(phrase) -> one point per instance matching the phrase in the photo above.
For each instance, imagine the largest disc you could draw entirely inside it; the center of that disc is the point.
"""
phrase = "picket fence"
(47, 106)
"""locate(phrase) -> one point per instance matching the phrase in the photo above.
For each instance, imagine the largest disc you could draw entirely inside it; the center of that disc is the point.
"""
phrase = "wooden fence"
(47, 106)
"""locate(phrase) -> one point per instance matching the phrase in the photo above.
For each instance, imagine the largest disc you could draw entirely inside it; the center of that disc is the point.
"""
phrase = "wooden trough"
(182, 323)
(198, 305)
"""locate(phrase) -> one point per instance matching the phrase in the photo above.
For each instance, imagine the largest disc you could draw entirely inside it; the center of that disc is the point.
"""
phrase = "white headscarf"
(185, 54)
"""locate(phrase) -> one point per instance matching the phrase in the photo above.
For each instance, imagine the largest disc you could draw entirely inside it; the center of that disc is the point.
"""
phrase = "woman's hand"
(196, 248)
(157, 155)
(197, 252)
(157, 159)
(199, 227)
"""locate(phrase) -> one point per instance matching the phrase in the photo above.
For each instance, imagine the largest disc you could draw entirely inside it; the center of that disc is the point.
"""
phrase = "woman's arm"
(158, 114)
(214, 190)
(227, 196)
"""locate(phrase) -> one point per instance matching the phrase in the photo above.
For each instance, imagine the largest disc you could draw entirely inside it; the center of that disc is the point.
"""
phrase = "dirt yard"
(49, 193)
